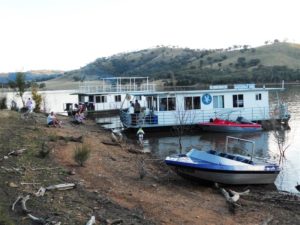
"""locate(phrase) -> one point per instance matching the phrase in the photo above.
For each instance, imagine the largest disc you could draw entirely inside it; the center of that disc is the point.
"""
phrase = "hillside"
(34, 75)
(268, 63)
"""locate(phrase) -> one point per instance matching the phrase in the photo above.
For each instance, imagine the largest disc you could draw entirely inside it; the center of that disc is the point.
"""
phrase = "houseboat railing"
(118, 85)
(191, 117)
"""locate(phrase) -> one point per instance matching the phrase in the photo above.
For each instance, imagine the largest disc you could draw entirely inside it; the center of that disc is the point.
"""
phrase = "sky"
(68, 34)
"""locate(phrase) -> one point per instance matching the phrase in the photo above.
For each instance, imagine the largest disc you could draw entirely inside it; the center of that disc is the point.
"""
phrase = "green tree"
(19, 85)
(37, 98)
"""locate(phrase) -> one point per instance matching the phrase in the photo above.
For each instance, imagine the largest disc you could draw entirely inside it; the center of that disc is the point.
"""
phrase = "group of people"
(79, 113)
(134, 107)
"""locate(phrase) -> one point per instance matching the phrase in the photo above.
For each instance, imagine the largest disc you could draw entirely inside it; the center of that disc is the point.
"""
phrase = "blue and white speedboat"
(222, 167)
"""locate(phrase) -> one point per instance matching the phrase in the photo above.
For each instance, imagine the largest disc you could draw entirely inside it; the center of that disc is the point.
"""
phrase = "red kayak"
(240, 125)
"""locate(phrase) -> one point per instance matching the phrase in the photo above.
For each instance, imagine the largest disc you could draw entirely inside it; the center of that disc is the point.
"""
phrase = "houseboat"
(191, 107)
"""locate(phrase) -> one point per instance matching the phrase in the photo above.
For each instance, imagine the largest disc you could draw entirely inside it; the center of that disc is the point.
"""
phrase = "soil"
(117, 184)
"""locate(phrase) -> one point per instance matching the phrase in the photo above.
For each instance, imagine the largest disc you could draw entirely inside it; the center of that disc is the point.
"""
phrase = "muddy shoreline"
(116, 185)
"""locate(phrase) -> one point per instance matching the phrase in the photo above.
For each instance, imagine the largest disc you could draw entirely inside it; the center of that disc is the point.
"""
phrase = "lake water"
(163, 144)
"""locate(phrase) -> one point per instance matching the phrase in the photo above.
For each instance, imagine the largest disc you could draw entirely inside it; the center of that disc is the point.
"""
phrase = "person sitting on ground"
(78, 118)
(52, 120)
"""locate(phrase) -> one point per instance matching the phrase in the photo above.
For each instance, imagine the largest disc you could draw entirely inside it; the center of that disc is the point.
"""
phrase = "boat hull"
(231, 129)
(241, 125)
(226, 177)
(223, 167)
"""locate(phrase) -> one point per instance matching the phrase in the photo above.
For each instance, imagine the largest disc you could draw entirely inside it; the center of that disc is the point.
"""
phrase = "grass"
(82, 154)
(4, 218)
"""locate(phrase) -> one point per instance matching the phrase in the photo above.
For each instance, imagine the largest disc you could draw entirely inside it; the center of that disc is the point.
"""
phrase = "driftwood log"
(15, 202)
(61, 187)
(110, 143)
(32, 217)
(24, 200)
(36, 219)
(71, 138)
(17, 152)
(232, 197)
(40, 192)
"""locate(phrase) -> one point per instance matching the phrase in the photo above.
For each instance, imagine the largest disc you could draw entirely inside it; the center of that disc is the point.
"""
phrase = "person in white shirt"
(29, 105)
(52, 120)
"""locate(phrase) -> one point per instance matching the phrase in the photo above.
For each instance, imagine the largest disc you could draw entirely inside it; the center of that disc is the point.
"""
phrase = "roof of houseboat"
(142, 86)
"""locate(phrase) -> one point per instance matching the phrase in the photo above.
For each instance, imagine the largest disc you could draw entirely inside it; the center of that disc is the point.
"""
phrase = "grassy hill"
(270, 63)
(34, 75)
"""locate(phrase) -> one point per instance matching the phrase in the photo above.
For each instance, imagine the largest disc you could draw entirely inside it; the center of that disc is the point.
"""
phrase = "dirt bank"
(110, 185)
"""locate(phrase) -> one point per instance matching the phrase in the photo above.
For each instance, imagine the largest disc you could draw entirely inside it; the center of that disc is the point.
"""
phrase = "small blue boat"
(222, 167)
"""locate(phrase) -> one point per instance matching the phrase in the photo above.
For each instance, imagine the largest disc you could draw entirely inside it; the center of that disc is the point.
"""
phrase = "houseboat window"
(101, 98)
(218, 101)
(197, 102)
(238, 101)
(192, 103)
(117, 98)
(151, 103)
(188, 103)
(258, 97)
(91, 98)
(171, 104)
(167, 104)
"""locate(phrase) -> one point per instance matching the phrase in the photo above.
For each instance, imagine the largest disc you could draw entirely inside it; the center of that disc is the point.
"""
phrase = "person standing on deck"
(137, 107)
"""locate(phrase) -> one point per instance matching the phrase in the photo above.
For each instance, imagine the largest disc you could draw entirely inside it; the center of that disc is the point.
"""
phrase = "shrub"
(81, 154)
(44, 150)
(37, 98)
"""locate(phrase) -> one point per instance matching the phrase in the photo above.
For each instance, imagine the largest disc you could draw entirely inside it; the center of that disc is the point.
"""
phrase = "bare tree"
(184, 119)
(281, 140)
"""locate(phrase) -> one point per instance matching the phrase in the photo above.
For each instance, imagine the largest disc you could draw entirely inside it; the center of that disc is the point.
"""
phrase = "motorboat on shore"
(223, 167)
(222, 125)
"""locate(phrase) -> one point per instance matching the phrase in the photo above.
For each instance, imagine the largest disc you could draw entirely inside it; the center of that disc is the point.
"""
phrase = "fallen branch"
(36, 219)
(17, 152)
(232, 199)
(61, 187)
(71, 138)
(91, 221)
(40, 192)
(135, 151)
(24, 183)
(24, 200)
(110, 143)
(45, 168)
(11, 170)
(239, 193)
(15, 202)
